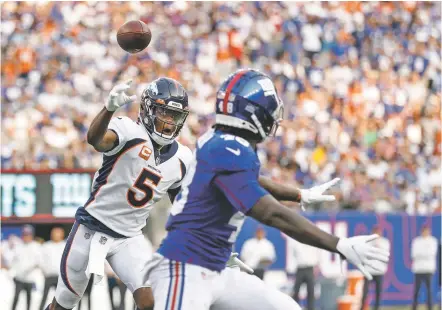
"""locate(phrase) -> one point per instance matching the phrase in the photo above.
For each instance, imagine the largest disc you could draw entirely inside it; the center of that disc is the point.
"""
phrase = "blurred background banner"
(43, 194)
(400, 229)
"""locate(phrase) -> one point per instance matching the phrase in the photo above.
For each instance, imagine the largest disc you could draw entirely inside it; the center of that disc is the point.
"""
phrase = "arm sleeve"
(241, 189)
(119, 126)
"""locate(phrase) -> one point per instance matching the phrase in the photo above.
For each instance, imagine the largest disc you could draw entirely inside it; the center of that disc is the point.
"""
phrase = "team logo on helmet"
(163, 110)
(248, 100)
(153, 88)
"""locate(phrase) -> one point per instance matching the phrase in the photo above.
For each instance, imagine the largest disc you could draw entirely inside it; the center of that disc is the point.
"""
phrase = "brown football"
(134, 36)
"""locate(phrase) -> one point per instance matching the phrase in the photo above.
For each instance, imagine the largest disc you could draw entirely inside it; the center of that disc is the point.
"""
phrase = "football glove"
(315, 194)
(118, 98)
(363, 254)
(234, 261)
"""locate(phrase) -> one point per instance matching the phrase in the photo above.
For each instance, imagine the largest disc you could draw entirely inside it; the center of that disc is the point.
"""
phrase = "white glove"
(315, 194)
(118, 98)
(234, 261)
(363, 254)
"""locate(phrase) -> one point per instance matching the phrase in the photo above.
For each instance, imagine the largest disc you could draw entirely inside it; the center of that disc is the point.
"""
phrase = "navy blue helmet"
(248, 100)
(163, 109)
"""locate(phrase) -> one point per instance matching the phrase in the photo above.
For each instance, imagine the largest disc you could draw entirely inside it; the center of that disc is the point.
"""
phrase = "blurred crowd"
(361, 83)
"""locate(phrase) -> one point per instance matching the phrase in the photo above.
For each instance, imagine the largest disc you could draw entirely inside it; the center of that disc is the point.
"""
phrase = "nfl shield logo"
(87, 235)
(103, 240)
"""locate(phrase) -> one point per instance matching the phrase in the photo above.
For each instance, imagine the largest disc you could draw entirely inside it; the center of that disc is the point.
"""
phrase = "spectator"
(26, 258)
(378, 275)
(307, 258)
(361, 85)
(51, 252)
(423, 255)
(258, 252)
(8, 248)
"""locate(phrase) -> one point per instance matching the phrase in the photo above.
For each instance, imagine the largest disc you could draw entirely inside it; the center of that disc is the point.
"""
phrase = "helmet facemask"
(267, 124)
(162, 122)
(278, 116)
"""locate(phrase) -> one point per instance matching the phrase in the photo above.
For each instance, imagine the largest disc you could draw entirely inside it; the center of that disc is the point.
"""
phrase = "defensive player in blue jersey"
(223, 186)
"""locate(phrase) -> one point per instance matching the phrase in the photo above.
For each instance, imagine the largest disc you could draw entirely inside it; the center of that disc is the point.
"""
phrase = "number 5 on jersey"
(145, 183)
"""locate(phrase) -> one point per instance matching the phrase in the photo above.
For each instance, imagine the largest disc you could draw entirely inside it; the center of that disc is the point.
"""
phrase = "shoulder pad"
(126, 130)
(184, 154)
(124, 124)
(229, 153)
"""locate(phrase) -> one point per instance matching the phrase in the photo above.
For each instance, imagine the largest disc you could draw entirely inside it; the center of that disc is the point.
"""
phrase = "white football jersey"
(132, 179)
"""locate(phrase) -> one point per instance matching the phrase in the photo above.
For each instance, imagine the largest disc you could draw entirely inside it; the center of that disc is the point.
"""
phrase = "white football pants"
(179, 286)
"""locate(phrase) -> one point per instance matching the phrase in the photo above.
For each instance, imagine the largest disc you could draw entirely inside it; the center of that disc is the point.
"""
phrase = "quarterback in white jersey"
(142, 162)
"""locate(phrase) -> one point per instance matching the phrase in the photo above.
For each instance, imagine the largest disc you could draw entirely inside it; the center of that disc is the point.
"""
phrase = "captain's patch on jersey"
(145, 153)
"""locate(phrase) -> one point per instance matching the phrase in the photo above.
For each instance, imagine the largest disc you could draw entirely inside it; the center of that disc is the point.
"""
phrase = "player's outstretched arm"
(270, 212)
(281, 192)
(285, 192)
(98, 135)
(357, 250)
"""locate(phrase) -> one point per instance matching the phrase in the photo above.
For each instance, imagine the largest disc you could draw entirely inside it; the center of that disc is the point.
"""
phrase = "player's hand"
(315, 194)
(118, 97)
(234, 261)
(363, 254)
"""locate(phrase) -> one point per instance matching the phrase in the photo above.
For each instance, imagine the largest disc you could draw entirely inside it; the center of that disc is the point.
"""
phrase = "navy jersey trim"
(117, 141)
(65, 256)
(83, 217)
(183, 169)
(163, 157)
(107, 167)
(173, 193)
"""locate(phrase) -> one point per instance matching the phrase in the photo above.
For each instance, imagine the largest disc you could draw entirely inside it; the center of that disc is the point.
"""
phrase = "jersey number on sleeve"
(237, 220)
(144, 183)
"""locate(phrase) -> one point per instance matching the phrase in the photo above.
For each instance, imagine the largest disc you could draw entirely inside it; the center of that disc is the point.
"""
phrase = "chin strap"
(259, 126)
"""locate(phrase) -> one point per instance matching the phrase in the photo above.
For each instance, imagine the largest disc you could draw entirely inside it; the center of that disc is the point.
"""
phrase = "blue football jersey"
(220, 187)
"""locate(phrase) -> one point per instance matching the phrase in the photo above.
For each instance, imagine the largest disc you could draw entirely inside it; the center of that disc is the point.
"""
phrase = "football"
(134, 36)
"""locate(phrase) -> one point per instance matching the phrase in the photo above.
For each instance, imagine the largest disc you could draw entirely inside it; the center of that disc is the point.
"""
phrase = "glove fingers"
(381, 252)
(364, 272)
(327, 198)
(378, 256)
(329, 184)
(371, 237)
(374, 265)
(126, 99)
(120, 88)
